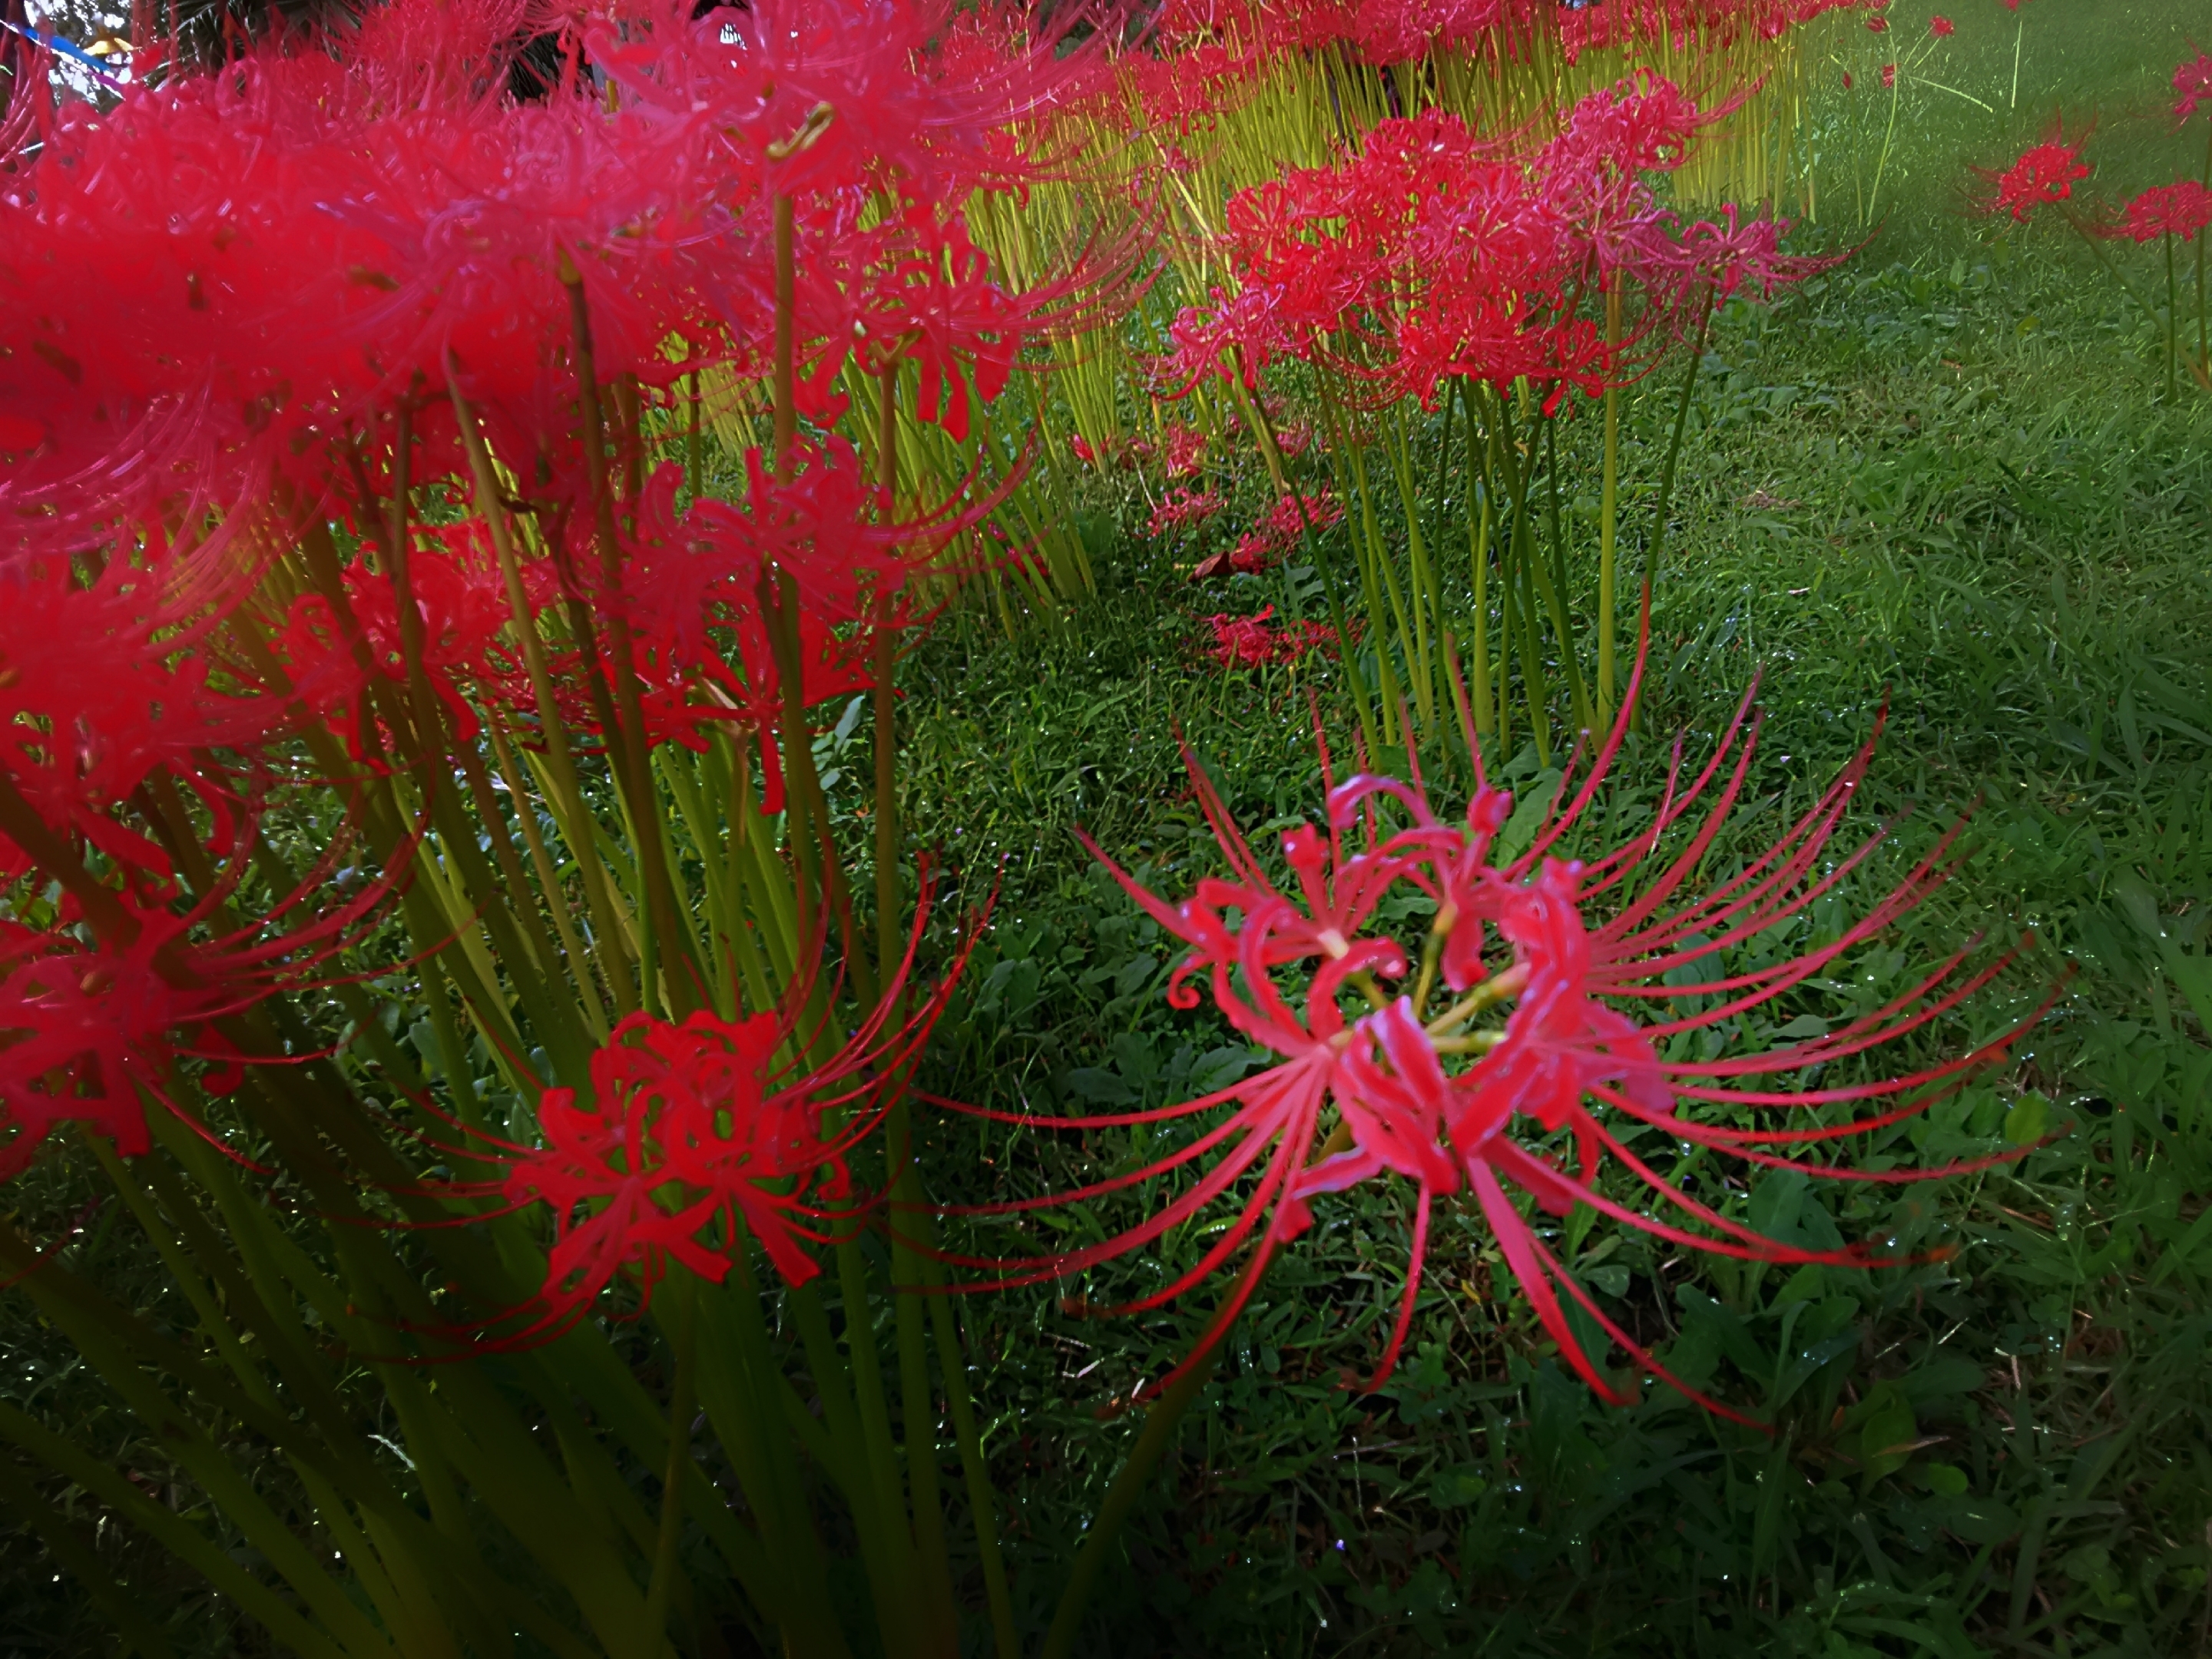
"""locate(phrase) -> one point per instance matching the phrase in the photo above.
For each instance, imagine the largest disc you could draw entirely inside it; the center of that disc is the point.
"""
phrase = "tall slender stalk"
(1608, 514)
(1326, 567)
(1161, 1420)
(680, 1326)
(1477, 548)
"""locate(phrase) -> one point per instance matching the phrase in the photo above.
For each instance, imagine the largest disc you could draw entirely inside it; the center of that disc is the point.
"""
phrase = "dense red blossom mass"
(1436, 255)
(255, 325)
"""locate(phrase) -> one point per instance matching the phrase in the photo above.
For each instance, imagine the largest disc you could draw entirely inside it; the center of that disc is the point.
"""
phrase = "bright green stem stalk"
(2018, 33)
(572, 810)
(1882, 164)
(1531, 647)
(982, 1501)
(1555, 581)
(1386, 678)
(1666, 501)
(1478, 547)
(1161, 1422)
(1608, 514)
(1328, 568)
(1417, 665)
(1380, 564)
(2173, 326)
(682, 1405)
(669, 942)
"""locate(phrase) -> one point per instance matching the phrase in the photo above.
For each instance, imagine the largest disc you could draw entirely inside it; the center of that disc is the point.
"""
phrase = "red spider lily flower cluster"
(1254, 642)
(2044, 174)
(1263, 546)
(1591, 1052)
(2179, 209)
(98, 1008)
(1183, 451)
(695, 1135)
(1179, 510)
(1435, 254)
(256, 321)
(1942, 27)
(2193, 82)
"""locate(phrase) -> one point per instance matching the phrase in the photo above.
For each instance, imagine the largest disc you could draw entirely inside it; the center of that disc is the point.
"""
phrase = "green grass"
(1966, 496)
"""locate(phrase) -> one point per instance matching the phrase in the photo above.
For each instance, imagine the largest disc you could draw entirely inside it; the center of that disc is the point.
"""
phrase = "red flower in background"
(1942, 27)
(1250, 642)
(2193, 81)
(2179, 209)
(1888, 75)
(1183, 450)
(1182, 509)
(1877, 25)
(2044, 174)
(96, 1012)
(1449, 1100)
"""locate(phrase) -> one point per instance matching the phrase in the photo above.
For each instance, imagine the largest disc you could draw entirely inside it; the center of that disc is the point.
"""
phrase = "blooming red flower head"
(1888, 75)
(1182, 509)
(1398, 1038)
(2045, 173)
(1942, 27)
(1252, 642)
(694, 1134)
(96, 1011)
(2178, 209)
(2193, 82)
(1183, 450)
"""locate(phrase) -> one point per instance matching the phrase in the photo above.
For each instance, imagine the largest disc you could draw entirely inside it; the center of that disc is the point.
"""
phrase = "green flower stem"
(1478, 547)
(1609, 515)
(566, 797)
(679, 1325)
(1666, 501)
(1327, 566)
(1161, 1423)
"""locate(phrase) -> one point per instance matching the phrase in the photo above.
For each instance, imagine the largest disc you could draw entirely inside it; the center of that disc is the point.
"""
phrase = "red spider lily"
(1447, 1100)
(1250, 642)
(1877, 25)
(1434, 254)
(1888, 75)
(2193, 81)
(89, 1032)
(2045, 173)
(1267, 542)
(103, 680)
(2179, 209)
(462, 611)
(1183, 450)
(693, 1135)
(1182, 509)
(1942, 27)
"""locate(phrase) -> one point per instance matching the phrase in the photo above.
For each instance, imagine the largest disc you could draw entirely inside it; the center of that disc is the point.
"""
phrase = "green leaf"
(1455, 1486)
(1945, 1480)
(2024, 1124)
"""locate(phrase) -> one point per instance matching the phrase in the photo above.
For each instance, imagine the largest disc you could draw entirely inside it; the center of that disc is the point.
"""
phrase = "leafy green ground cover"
(1943, 477)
